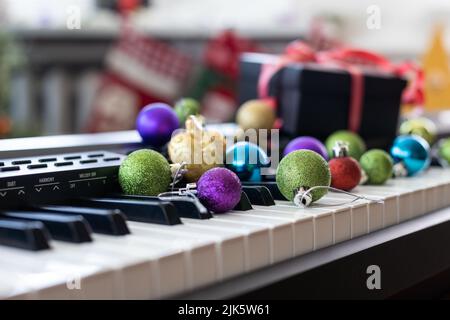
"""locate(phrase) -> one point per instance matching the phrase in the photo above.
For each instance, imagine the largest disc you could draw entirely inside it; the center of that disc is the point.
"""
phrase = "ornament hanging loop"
(189, 191)
(178, 170)
(400, 170)
(303, 196)
(195, 123)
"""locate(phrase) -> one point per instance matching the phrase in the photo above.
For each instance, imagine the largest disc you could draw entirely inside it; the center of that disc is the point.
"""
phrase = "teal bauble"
(246, 160)
(377, 165)
(186, 107)
(411, 153)
(145, 172)
(303, 169)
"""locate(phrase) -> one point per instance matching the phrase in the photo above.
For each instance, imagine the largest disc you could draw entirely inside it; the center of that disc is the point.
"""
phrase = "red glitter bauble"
(345, 173)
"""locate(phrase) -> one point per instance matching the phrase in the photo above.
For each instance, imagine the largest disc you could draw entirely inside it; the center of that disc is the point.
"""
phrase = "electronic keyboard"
(66, 232)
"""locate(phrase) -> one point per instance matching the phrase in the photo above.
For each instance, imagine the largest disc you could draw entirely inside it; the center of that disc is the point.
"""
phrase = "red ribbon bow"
(352, 60)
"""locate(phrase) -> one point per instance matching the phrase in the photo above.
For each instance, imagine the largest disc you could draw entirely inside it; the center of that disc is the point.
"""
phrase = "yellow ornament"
(198, 148)
(437, 73)
(422, 127)
(256, 114)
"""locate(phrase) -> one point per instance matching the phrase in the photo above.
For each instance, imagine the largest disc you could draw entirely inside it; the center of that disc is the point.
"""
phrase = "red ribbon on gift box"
(354, 61)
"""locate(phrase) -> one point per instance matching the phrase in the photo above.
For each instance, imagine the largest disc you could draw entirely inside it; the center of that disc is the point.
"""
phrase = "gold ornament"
(256, 114)
(198, 148)
(437, 73)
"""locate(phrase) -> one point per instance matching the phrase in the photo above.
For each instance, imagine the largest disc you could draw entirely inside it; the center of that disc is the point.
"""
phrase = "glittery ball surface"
(303, 168)
(444, 151)
(186, 107)
(377, 164)
(219, 189)
(345, 173)
(356, 145)
(200, 151)
(145, 172)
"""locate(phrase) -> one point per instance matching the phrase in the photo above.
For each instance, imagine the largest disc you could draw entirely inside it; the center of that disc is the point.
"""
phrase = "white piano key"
(19, 284)
(167, 273)
(134, 274)
(446, 197)
(342, 224)
(231, 248)
(323, 219)
(432, 198)
(366, 215)
(441, 193)
(230, 244)
(201, 254)
(359, 214)
(133, 261)
(303, 225)
(415, 187)
(283, 231)
(50, 277)
(391, 199)
(431, 184)
(256, 239)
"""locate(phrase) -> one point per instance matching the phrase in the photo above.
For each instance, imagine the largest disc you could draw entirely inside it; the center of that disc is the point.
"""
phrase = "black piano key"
(24, 235)
(259, 195)
(271, 185)
(135, 210)
(105, 221)
(61, 227)
(244, 204)
(7, 169)
(20, 162)
(186, 207)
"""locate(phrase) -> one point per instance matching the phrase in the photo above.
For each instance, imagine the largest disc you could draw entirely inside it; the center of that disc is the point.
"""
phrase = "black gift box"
(314, 99)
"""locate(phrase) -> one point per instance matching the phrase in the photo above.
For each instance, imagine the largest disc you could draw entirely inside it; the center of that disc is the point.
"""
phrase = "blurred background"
(89, 65)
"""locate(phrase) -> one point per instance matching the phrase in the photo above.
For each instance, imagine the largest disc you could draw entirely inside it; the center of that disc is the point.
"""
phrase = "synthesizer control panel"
(57, 177)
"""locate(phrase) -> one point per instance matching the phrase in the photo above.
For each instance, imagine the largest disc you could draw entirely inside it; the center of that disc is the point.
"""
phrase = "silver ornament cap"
(340, 149)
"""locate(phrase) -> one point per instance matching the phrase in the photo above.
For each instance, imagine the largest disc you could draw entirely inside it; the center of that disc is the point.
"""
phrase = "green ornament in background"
(378, 166)
(186, 107)
(145, 172)
(303, 169)
(356, 145)
(443, 152)
(422, 127)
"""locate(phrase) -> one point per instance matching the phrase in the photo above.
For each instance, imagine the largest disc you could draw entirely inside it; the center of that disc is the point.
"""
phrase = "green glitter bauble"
(356, 145)
(303, 168)
(377, 164)
(186, 107)
(444, 150)
(145, 172)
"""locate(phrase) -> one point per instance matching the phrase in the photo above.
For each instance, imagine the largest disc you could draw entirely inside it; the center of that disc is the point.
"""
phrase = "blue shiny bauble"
(413, 152)
(245, 159)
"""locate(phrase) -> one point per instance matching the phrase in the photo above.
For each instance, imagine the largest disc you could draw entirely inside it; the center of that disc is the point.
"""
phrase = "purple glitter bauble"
(308, 143)
(155, 123)
(219, 190)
